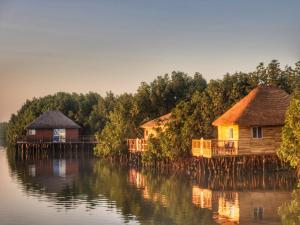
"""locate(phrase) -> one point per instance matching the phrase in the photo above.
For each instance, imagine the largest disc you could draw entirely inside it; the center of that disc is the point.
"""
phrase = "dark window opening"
(256, 132)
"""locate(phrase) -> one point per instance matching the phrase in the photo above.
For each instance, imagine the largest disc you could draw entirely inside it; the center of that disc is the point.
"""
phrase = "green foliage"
(154, 151)
(290, 147)
(290, 212)
(161, 96)
(120, 126)
(160, 149)
(3, 130)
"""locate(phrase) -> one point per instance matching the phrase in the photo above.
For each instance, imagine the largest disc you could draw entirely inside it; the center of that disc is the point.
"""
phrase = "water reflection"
(257, 205)
(150, 197)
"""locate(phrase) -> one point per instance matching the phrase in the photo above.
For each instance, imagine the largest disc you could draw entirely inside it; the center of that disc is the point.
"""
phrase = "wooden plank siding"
(268, 144)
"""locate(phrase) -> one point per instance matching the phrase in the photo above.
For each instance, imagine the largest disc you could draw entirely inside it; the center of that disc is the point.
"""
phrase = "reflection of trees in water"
(150, 197)
(290, 211)
(242, 182)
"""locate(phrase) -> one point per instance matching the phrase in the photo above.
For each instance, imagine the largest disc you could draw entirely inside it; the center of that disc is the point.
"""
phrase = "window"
(258, 213)
(31, 132)
(256, 132)
(230, 133)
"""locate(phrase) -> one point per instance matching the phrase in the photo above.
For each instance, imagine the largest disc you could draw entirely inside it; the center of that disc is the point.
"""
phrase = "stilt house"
(250, 127)
(150, 128)
(53, 126)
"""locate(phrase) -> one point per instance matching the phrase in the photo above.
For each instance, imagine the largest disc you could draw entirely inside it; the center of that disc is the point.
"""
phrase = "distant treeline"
(3, 128)
(194, 103)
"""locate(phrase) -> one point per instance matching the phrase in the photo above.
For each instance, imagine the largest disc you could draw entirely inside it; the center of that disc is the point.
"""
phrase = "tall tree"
(290, 147)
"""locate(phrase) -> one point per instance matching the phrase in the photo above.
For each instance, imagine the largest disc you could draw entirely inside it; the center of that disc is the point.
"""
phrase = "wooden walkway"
(25, 143)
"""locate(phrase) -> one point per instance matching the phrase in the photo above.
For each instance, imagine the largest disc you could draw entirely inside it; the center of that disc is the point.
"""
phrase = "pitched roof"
(160, 121)
(263, 106)
(53, 120)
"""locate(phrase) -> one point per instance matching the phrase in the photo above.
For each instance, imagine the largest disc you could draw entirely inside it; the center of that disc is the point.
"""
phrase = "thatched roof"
(263, 106)
(53, 120)
(160, 121)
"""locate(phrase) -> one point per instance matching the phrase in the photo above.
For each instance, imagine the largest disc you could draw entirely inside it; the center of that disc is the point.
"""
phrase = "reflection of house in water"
(202, 197)
(138, 180)
(53, 175)
(59, 168)
(228, 207)
(233, 207)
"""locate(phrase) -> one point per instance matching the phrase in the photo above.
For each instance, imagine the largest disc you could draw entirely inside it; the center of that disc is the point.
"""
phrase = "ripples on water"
(51, 190)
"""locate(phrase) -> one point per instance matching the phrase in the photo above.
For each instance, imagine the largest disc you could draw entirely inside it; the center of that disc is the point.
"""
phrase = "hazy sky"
(79, 46)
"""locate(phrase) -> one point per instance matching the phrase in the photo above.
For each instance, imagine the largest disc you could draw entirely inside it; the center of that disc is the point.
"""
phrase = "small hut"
(150, 129)
(54, 126)
(251, 126)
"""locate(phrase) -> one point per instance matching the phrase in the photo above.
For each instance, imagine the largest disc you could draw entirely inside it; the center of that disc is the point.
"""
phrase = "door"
(59, 135)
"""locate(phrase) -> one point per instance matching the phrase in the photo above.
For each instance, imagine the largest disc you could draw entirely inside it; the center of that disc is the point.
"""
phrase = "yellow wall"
(223, 132)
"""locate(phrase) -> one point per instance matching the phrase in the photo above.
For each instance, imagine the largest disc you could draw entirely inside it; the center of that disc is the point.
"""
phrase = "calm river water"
(90, 191)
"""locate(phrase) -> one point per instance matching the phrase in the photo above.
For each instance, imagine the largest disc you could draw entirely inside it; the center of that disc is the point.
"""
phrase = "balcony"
(136, 145)
(214, 148)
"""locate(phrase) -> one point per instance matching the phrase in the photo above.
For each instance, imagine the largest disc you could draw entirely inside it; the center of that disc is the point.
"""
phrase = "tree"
(120, 126)
(3, 129)
(290, 211)
(290, 148)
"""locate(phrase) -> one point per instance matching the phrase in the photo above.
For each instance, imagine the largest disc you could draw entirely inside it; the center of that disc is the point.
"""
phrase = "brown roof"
(53, 120)
(263, 106)
(160, 121)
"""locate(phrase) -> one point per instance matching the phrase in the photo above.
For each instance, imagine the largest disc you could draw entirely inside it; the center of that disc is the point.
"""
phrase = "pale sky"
(79, 46)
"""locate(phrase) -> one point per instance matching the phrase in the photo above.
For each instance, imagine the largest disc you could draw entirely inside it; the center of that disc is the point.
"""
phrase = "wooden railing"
(136, 145)
(80, 139)
(210, 148)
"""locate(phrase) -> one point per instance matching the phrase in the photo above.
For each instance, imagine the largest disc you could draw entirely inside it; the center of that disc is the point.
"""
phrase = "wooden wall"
(72, 133)
(48, 133)
(45, 133)
(268, 144)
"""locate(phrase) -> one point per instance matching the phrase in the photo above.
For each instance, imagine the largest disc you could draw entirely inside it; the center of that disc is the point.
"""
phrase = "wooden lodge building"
(53, 130)
(53, 125)
(150, 128)
(250, 127)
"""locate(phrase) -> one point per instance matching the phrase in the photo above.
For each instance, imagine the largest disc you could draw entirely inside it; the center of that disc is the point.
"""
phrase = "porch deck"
(38, 140)
(137, 145)
(213, 148)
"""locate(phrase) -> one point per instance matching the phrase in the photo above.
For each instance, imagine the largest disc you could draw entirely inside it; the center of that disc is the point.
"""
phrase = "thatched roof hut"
(53, 120)
(250, 127)
(263, 106)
